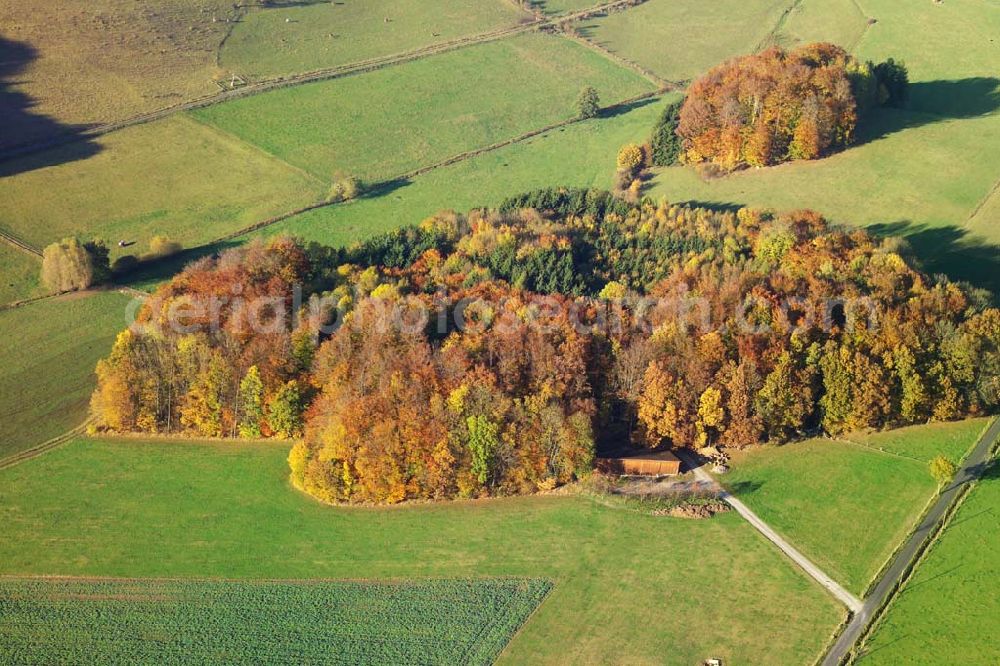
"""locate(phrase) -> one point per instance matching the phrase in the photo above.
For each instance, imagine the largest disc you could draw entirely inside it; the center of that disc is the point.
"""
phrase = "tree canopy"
(488, 353)
(778, 105)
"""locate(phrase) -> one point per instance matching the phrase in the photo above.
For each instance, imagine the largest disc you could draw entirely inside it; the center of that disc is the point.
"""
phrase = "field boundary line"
(982, 202)
(454, 159)
(226, 134)
(769, 38)
(888, 584)
(44, 447)
(323, 74)
(239, 13)
(874, 450)
(924, 510)
(663, 84)
(864, 32)
(878, 617)
(86, 293)
(19, 244)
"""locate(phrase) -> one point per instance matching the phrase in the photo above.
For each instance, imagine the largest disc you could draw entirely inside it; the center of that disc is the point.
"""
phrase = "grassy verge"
(951, 602)
(844, 505)
(628, 587)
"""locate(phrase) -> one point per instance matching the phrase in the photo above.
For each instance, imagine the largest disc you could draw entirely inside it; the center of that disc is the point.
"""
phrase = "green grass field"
(919, 172)
(950, 608)
(628, 587)
(309, 36)
(388, 122)
(19, 273)
(847, 506)
(80, 62)
(49, 350)
(581, 155)
(842, 22)
(175, 177)
(254, 622)
(552, 7)
(681, 39)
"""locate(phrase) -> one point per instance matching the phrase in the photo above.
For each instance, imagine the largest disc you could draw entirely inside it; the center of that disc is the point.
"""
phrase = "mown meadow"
(578, 155)
(50, 349)
(304, 36)
(388, 122)
(627, 586)
(846, 504)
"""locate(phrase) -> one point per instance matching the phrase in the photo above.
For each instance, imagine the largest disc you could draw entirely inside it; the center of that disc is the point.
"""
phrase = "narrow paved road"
(904, 558)
(842, 595)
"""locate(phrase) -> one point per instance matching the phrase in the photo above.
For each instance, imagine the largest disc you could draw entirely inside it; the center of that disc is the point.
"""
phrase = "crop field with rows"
(64, 620)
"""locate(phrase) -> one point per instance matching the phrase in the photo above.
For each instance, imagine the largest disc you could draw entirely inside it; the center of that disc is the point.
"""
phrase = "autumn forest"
(494, 352)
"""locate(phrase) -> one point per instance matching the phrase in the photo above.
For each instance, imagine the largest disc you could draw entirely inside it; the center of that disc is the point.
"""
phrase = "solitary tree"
(70, 265)
(588, 103)
(942, 469)
(344, 188)
(630, 158)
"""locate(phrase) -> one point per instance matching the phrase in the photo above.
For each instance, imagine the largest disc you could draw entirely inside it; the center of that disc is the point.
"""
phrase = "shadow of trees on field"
(715, 206)
(150, 272)
(21, 127)
(628, 107)
(285, 4)
(933, 102)
(743, 488)
(951, 251)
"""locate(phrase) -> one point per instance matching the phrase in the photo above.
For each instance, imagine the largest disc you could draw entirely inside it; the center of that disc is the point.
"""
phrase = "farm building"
(653, 463)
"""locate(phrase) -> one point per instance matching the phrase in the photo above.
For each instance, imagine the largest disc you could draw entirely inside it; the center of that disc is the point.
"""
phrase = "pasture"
(554, 7)
(681, 39)
(842, 22)
(76, 62)
(391, 121)
(847, 505)
(175, 177)
(305, 36)
(578, 155)
(628, 587)
(19, 275)
(950, 606)
(924, 172)
(174, 621)
(50, 349)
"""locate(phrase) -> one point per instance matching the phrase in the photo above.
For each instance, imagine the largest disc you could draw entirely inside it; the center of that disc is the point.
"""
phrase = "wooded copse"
(488, 353)
(777, 105)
